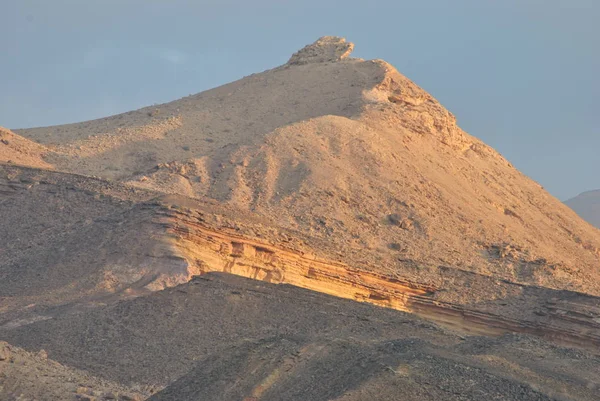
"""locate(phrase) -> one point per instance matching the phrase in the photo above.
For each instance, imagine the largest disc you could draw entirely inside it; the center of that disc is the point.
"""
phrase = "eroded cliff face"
(566, 317)
(329, 173)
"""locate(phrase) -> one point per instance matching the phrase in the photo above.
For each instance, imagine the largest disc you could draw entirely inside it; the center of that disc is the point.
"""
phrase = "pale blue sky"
(522, 75)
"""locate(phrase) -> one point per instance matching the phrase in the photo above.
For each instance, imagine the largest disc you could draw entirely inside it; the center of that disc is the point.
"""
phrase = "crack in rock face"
(326, 49)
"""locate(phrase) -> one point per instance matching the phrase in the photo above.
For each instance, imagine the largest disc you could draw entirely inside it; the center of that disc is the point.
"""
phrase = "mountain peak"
(325, 49)
(333, 148)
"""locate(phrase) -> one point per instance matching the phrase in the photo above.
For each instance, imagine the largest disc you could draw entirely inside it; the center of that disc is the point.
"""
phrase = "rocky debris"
(402, 222)
(87, 394)
(130, 397)
(278, 369)
(327, 49)
(4, 351)
(302, 343)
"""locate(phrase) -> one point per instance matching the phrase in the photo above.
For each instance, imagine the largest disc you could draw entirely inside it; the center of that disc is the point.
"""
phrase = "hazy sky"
(522, 75)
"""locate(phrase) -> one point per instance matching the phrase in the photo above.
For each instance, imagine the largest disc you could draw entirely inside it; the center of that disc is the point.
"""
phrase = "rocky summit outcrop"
(587, 205)
(331, 174)
(327, 49)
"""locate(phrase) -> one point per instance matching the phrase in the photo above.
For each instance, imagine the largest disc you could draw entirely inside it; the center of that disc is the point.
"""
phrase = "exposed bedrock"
(562, 316)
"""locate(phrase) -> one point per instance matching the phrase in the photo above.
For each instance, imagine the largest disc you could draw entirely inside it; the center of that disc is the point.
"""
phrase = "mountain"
(328, 173)
(348, 151)
(587, 205)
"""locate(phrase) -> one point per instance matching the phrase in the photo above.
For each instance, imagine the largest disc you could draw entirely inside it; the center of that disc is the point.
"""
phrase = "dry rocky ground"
(220, 337)
(334, 174)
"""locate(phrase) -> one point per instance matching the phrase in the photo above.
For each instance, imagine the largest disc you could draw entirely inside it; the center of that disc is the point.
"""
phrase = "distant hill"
(587, 205)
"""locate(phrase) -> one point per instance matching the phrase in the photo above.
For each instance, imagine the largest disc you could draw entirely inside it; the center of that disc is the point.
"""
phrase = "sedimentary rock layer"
(563, 316)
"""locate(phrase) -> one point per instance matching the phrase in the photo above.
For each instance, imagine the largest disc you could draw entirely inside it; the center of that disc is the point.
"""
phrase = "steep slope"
(350, 152)
(587, 205)
(17, 150)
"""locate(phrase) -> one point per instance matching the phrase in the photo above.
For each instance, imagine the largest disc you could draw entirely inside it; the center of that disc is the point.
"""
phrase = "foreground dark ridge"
(224, 338)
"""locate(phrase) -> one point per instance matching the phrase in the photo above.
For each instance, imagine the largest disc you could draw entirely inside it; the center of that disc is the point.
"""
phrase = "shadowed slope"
(221, 337)
(587, 205)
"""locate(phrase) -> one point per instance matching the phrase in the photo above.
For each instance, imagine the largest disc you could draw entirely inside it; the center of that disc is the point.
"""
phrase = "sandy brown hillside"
(587, 205)
(15, 149)
(349, 151)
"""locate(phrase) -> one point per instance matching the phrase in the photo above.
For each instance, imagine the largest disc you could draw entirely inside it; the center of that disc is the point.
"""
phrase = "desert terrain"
(323, 230)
